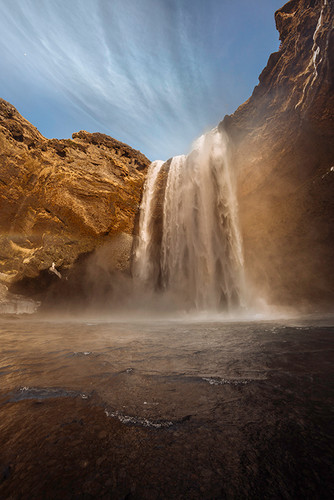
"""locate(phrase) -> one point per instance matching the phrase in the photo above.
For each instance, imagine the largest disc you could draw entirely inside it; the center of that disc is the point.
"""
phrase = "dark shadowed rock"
(284, 153)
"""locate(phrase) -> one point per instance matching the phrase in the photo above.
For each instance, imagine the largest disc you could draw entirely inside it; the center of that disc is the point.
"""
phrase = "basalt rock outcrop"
(62, 199)
(283, 153)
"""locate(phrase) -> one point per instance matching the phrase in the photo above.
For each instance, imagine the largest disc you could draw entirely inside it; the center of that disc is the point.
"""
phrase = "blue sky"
(152, 73)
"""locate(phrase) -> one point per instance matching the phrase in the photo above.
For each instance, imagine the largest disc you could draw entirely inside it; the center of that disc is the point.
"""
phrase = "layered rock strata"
(60, 199)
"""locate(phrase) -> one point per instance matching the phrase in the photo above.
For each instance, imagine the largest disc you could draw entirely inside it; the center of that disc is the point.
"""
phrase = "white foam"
(133, 420)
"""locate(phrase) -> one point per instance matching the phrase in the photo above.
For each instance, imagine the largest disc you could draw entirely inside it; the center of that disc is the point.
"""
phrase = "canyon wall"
(61, 200)
(283, 151)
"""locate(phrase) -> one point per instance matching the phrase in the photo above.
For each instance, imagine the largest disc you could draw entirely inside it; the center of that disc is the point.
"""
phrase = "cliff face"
(60, 199)
(283, 139)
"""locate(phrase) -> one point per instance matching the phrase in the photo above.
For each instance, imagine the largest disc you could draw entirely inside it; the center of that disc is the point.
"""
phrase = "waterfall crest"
(198, 256)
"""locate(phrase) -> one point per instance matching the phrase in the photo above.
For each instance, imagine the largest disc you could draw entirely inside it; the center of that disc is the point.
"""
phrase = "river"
(166, 409)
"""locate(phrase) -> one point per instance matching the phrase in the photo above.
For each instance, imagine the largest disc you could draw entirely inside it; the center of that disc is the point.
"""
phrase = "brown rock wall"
(284, 153)
(61, 198)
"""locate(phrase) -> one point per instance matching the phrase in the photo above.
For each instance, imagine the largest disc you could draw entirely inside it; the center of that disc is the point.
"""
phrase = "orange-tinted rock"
(62, 198)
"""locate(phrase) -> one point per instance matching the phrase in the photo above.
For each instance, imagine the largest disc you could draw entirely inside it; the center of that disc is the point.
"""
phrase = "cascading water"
(143, 263)
(199, 257)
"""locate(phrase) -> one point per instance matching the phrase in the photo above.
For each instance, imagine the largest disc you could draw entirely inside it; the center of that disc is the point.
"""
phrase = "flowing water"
(143, 264)
(190, 243)
(166, 409)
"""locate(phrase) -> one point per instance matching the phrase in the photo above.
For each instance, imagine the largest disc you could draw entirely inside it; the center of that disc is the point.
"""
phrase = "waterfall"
(198, 256)
(143, 262)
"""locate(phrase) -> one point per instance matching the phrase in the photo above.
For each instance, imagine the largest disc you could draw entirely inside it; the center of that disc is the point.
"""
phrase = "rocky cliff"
(61, 200)
(283, 152)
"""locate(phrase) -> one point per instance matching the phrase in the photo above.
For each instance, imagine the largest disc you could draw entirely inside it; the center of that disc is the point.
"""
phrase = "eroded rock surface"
(284, 154)
(60, 199)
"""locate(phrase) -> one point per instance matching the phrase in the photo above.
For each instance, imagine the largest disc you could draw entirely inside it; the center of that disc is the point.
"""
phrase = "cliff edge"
(61, 199)
(283, 152)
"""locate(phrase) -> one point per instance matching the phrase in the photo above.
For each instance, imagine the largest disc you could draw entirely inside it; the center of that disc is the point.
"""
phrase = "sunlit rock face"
(63, 198)
(284, 154)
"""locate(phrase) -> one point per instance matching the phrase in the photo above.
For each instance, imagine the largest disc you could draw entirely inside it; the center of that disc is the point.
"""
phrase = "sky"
(154, 74)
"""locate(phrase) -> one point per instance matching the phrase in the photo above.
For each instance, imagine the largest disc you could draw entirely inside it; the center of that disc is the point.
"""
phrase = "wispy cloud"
(147, 72)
